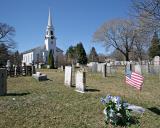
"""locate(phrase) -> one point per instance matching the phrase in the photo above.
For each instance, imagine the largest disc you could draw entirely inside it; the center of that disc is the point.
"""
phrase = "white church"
(40, 54)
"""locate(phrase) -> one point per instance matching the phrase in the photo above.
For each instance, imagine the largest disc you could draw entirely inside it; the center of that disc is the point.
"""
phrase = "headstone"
(145, 68)
(33, 69)
(29, 70)
(62, 68)
(8, 63)
(94, 67)
(15, 71)
(12, 71)
(23, 70)
(3, 81)
(39, 66)
(108, 69)
(128, 66)
(137, 69)
(48, 66)
(104, 73)
(156, 60)
(39, 76)
(80, 81)
(68, 76)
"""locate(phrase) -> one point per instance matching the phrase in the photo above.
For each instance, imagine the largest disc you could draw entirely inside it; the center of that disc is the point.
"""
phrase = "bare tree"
(6, 35)
(119, 34)
(6, 42)
(148, 13)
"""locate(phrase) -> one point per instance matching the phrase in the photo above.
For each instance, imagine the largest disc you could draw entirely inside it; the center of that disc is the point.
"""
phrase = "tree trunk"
(127, 56)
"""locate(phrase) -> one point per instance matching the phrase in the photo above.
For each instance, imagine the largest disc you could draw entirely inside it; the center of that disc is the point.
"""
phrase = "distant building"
(40, 54)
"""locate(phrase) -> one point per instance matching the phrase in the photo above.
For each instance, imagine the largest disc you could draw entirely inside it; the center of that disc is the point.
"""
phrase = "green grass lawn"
(50, 104)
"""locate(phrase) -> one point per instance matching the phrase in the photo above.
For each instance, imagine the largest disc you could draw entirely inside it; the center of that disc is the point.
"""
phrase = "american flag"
(134, 79)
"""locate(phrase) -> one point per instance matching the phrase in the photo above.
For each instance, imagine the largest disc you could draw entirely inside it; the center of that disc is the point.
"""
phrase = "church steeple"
(49, 20)
(50, 40)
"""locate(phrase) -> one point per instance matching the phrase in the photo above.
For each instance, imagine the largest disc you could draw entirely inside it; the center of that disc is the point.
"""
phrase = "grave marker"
(80, 81)
(68, 76)
(3, 81)
(137, 69)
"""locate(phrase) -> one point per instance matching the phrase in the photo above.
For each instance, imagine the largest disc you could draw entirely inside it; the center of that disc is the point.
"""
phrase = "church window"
(51, 37)
(51, 32)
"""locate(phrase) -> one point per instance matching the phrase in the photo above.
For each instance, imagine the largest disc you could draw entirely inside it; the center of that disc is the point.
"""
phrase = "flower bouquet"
(116, 110)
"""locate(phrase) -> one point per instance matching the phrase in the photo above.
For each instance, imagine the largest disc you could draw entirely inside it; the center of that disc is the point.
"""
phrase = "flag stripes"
(135, 80)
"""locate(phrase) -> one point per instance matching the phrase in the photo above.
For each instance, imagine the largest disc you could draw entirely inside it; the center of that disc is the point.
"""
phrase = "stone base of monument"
(80, 91)
(39, 76)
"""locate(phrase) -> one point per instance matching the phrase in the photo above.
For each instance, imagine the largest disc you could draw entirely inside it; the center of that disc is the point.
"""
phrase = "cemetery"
(72, 98)
(51, 75)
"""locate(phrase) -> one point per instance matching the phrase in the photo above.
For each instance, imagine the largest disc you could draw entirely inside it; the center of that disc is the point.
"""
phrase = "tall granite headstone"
(80, 81)
(3, 81)
(68, 76)
(104, 73)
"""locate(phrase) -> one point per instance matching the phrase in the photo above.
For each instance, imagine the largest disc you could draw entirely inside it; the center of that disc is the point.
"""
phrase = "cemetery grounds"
(50, 104)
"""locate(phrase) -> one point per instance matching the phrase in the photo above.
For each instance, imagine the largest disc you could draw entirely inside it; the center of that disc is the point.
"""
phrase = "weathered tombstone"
(8, 63)
(62, 68)
(23, 70)
(156, 60)
(94, 67)
(12, 72)
(99, 67)
(15, 71)
(108, 69)
(145, 68)
(68, 76)
(80, 81)
(128, 65)
(48, 66)
(137, 69)
(39, 76)
(18, 70)
(104, 73)
(29, 70)
(33, 69)
(3, 81)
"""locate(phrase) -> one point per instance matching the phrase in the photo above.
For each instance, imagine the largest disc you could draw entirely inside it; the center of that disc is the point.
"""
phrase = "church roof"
(40, 48)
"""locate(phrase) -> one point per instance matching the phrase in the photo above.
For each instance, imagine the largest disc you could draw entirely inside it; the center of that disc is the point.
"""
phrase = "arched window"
(51, 32)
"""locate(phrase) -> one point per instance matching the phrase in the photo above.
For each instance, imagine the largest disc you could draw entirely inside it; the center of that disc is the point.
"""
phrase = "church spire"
(49, 19)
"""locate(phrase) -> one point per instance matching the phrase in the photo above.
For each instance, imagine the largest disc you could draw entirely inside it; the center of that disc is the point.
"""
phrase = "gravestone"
(3, 81)
(80, 81)
(33, 69)
(29, 70)
(104, 73)
(62, 68)
(156, 60)
(108, 69)
(15, 71)
(39, 76)
(12, 71)
(128, 66)
(94, 67)
(137, 69)
(145, 68)
(24, 70)
(68, 76)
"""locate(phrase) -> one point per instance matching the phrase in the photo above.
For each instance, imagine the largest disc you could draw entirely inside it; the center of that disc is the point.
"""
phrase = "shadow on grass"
(92, 90)
(17, 94)
(154, 110)
(133, 121)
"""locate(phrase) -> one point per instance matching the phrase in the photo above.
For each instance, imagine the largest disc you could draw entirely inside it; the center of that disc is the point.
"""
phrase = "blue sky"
(73, 20)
